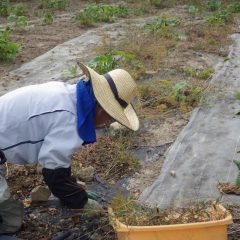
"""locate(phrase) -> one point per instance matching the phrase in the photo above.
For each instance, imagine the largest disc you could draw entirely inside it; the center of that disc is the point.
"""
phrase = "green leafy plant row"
(8, 49)
(4, 7)
(53, 4)
(18, 21)
(159, 25)
(219, 17)
(101, 13)
(107, 62)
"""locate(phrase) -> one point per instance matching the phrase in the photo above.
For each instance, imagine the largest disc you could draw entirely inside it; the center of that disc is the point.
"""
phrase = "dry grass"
(109, 157)
(132, 213)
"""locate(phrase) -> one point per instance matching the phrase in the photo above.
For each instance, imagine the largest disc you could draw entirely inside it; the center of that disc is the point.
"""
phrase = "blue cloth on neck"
(86, 108)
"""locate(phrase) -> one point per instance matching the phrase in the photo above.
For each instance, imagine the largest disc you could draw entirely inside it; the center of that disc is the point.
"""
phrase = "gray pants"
(11, 211)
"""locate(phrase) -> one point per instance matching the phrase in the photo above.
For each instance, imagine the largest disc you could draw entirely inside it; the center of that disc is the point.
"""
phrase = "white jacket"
(38, 125)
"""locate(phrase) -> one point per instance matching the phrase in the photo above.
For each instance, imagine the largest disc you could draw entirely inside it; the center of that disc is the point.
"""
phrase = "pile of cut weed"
(130, 212)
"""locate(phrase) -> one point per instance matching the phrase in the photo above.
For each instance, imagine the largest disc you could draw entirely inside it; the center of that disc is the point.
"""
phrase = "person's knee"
(11, 212)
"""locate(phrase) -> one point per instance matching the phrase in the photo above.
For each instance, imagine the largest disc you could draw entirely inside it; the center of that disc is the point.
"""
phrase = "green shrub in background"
(18, 21)
(163, 3)
(213, 5)
(8, 49)
(193, 10)
(198, 73)
(234, 7)
(158, 25)
(47, 18)
(4, 7)
(101, 13)
(219, 17)
(53, 4)
(107, 62)
(164, 94)
(19, 10)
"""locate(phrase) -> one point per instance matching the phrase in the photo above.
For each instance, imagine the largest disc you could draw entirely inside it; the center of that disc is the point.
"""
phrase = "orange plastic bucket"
(212, 230)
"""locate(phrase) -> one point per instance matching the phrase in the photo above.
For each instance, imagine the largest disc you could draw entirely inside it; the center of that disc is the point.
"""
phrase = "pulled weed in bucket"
(130, 212)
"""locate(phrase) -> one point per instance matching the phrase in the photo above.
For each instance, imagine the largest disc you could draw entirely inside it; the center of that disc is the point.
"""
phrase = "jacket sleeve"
(64, 186)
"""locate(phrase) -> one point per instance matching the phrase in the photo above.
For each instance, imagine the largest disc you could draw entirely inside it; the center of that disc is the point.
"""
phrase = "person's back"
(31, 113)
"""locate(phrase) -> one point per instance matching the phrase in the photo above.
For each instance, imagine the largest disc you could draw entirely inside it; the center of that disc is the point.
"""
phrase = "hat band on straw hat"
(113, 87)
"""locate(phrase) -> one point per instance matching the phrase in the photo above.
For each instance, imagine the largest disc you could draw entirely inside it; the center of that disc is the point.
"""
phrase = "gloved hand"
(92, 195)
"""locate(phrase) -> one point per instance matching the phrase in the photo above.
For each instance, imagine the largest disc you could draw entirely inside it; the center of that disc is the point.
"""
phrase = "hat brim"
(107, 101)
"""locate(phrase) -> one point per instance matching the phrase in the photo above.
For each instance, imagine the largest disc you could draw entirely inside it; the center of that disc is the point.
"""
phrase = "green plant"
(165, 94)
(233, 7)
(193, 10)
(19, 10)
(237, 95)
(107, 62)
(4, 7)
(47, 18)
(71, 72)
(159, 25)
(8, 49)
(53, 4)
(213, 5)
(18, 21)
(162, 3)
(100, 13)
(237, 181)
(220, 17)
(198, 73)
(181, 90)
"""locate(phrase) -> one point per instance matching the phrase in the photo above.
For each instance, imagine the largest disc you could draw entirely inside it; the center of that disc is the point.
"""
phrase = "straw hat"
(114, 92)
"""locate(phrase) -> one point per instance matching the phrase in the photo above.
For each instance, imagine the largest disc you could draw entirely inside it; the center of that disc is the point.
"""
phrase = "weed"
(116, 58)
(53, 4)
(19, 10)
(71, 72)
(100, 13)
(233, 7)
(47, 18)
(160, 25)
(237, 182)
(220, 17)
(4, 7)
(8, 49)
(213, 5)
(237, 95)
(163, 3)
(193, 10)
(165, 94)
(19, 21)
(198, 73)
